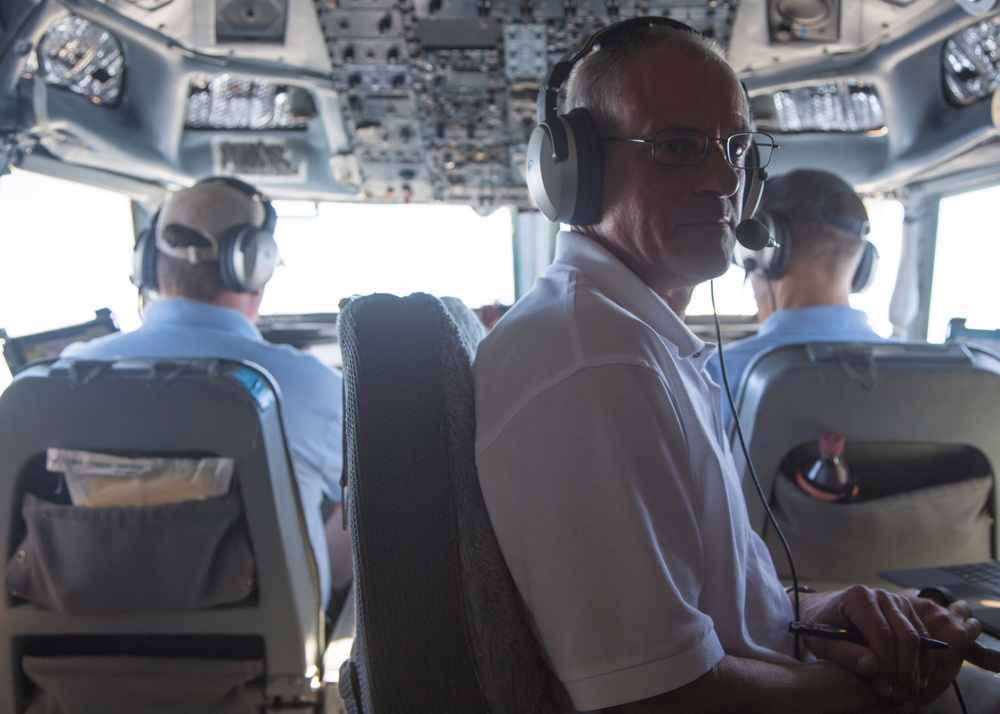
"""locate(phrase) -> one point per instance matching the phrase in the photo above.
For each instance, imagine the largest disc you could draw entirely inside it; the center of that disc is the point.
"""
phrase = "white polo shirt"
(611, 487)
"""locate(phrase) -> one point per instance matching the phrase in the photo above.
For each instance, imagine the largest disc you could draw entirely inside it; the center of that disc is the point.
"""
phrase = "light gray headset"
(248, 254)
(565, 161)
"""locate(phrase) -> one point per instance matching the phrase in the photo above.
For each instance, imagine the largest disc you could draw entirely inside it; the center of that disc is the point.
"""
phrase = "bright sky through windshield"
(356, 249)
(67, 251)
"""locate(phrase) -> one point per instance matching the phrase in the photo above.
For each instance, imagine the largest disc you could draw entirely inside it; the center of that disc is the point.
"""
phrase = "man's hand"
(893, 624)
(953, 624)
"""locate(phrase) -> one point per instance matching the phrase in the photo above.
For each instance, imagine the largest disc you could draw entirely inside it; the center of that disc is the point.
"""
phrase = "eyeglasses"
(688, 147)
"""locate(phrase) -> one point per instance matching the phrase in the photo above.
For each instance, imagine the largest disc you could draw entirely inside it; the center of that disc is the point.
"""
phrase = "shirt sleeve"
(330, 448)
(334, 455)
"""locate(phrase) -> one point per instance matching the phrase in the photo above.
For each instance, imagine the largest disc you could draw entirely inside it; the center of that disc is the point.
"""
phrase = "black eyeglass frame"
(759, 162)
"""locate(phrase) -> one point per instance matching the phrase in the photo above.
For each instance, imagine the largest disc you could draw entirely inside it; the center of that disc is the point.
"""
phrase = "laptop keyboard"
(985, 575)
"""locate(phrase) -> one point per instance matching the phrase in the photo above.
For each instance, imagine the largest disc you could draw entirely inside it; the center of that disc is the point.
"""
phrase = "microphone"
(753, 235)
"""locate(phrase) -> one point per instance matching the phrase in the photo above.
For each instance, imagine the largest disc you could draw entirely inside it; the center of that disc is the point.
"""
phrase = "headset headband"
(548, 93)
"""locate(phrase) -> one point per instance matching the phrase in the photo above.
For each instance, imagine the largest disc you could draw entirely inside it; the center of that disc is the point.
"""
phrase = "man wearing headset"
(803, 284)
(208, 256)
(599, 440)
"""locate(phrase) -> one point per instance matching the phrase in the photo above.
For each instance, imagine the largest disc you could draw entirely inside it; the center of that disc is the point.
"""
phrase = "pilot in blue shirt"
(803, 284)
(208, 256)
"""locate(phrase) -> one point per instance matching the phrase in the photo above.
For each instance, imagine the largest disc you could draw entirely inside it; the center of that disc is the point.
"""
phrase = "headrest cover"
(808, 195)
(210, 209)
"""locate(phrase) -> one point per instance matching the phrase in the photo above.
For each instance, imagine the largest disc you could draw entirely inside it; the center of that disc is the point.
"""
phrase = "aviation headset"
(772, 261)
(565, 161)
(247, 253)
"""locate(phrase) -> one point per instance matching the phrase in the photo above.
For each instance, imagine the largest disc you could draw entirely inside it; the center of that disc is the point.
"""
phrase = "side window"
(67, 251)
(886, 218)
(964, 283)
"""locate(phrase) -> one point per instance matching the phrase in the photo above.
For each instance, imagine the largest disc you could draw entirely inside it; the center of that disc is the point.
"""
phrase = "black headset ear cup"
(248, 257)
(144, 259)
(864, 275)
(589, 167)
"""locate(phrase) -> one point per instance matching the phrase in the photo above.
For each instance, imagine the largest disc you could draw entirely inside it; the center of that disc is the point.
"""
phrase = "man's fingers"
(899, 649)
(962, 609)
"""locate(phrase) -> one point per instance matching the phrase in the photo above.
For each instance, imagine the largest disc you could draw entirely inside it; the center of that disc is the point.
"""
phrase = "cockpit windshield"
(329, 251)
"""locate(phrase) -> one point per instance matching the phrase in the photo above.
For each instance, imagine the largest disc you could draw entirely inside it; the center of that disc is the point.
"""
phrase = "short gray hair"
(597, 80)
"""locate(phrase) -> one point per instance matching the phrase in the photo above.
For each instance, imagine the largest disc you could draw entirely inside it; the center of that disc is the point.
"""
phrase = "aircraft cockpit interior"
(394, 148)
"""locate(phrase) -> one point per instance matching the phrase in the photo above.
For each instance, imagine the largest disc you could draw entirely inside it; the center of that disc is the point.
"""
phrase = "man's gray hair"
(597, 80)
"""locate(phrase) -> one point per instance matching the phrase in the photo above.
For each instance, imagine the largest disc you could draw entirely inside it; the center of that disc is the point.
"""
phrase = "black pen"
(813, 629)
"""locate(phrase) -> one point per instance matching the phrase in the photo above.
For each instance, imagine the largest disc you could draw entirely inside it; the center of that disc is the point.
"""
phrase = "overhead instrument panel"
(439, 97)
(419, 101)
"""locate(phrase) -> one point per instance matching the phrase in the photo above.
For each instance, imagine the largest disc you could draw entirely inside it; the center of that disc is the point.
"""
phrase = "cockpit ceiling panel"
(434, 100)
(440, 98)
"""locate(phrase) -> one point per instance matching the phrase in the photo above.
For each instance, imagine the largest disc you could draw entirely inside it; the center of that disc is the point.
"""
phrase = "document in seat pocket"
(184, 556)
(97, 480)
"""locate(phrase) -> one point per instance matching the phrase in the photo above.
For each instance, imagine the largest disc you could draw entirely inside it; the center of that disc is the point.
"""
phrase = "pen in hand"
(813, 629)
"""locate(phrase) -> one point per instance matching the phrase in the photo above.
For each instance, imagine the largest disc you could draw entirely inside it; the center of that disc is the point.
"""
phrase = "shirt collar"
(192, 312)
(833, 318)
(627, 289)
